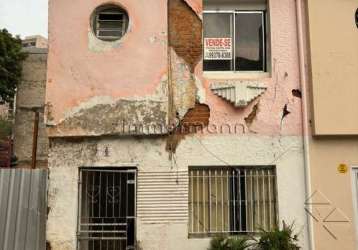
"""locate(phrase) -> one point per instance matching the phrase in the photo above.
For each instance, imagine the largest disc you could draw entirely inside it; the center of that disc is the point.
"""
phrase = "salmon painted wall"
(280, 83)
(77, 72)
(81, 69)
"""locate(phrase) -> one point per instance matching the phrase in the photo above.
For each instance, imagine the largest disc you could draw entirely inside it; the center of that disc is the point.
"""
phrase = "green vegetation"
(277, 239)
(225, 243)
(11, 57)
(5, 128)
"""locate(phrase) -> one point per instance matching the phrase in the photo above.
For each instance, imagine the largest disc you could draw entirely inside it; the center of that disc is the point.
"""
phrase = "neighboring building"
(34, 42)
(4, 110)
(28, 44)
(30, 99)
(333, 122)
(125, 95)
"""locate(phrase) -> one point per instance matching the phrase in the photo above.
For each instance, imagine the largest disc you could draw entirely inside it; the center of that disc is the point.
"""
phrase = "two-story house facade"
(173, 121)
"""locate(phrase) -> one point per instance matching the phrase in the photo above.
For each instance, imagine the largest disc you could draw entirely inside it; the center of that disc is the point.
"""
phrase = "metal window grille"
(107, 215)
(232, 200)
(111, 23)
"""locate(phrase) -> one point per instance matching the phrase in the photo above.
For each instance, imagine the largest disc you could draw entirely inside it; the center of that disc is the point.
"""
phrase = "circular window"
(109, 22)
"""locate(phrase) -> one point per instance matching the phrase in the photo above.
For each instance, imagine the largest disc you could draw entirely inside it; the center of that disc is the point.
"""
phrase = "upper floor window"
(110, 22)
(235, 35)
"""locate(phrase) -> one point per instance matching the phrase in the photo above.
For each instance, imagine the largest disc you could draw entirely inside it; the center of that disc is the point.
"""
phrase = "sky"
(24, 17)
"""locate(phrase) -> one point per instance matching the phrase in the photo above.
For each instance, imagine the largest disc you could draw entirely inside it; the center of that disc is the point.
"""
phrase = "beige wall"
(334, 112)
(334, 57)
(334, 189)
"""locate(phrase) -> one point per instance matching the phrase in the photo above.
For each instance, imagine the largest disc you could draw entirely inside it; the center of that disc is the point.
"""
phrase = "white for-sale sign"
(217, 48)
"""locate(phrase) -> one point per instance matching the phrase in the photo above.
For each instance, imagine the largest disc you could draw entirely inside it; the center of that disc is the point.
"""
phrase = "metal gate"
(107, 205)
(23, 209)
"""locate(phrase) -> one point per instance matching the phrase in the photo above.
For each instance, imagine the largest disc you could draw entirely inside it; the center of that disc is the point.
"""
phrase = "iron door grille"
(106, 214)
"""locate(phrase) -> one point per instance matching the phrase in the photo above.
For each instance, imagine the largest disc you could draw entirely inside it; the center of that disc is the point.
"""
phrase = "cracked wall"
(280, 80)
(90, 88)
(185, 52)
(102, 96)
(168, 72)
(155, 75)
(149, 155)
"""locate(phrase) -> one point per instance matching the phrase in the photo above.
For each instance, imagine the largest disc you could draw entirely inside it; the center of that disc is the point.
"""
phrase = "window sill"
(236, 75)
(198, 236)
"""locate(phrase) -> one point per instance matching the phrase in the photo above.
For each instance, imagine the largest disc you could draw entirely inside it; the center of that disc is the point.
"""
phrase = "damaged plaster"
(252, 116)
(297, 93)
(187, 95)
(185, 52)
(182, 85)
(194, 121)
(120, 117)
(97, 45)
(200, 91)
(149, 155)
(285, 112)
(130, 85)
(104, 115)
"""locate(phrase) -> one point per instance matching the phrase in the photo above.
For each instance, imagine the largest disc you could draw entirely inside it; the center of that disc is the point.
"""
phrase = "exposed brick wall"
(185, 32)
(194, 121)
(198, 116)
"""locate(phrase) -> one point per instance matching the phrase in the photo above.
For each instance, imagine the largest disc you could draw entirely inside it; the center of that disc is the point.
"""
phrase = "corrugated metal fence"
(23, 209)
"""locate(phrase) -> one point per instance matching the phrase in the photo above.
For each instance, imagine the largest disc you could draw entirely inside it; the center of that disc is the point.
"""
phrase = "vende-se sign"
(217, 48)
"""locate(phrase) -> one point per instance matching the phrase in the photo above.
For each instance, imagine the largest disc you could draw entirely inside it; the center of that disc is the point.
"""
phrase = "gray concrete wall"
(30, 98)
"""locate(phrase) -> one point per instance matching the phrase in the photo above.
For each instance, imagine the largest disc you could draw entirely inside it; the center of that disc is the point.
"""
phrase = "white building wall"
(149, 154)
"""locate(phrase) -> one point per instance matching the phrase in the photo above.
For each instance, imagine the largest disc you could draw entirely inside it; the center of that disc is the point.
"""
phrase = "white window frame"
(354, 179)
(264, 72)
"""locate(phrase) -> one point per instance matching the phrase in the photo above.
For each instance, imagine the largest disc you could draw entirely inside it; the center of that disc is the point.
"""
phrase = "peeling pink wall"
(136, 67)
(284, 78)
(196, 5)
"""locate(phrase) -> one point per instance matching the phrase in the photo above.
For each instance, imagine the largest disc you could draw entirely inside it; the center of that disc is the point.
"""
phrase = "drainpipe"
(34, 140)
(305, 114)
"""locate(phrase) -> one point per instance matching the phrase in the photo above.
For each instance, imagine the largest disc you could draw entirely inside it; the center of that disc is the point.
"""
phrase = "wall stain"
(285, 112)
(121, 117)
(252, 116)
(297, 93)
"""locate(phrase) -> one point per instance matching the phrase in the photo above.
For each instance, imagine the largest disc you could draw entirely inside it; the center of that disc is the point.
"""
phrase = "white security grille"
(232, 200)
